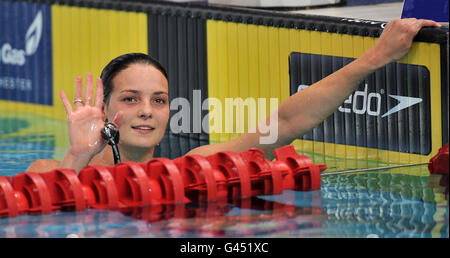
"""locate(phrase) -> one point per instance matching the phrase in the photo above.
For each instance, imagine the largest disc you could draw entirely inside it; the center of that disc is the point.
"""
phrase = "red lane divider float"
(65, 189)
(220, 177)
(439, 163)
(303, 175)
(198, 178)
(36, 191)
(12, 202)
(99, 187)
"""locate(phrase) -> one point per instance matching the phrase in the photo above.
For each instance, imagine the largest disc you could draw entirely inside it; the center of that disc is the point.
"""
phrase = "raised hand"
(397, 38)
(85, 121)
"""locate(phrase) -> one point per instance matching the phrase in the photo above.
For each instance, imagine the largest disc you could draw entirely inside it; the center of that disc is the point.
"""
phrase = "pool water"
(403, 202)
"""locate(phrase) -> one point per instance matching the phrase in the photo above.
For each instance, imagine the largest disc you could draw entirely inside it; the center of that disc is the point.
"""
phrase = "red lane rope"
(191, 178)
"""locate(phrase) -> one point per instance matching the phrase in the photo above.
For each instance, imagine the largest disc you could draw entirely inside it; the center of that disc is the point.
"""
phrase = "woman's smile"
(143, 129)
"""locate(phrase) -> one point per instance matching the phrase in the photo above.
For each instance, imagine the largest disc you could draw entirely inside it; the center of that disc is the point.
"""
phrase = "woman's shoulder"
(43, 165)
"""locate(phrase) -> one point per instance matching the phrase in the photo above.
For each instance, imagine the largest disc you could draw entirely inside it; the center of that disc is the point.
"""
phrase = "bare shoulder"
(43, 165)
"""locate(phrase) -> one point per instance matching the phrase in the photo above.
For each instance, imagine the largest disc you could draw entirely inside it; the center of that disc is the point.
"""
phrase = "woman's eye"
(129, 99)
(160, 101)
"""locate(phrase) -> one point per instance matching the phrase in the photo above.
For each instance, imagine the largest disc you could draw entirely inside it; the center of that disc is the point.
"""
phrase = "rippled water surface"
(404, 202)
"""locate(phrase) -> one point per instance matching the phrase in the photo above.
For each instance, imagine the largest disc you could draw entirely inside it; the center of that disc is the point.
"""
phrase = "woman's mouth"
(143, 129)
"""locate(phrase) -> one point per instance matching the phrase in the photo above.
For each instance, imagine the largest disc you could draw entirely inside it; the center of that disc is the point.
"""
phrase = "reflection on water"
(335, 211)
(390, 205)
(25, 138)
(384, 214)
(252, 217)
(405, 202)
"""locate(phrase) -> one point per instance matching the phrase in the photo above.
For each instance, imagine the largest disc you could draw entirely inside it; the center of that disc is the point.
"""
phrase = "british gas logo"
(26, 66)
(14, 56)
(362, 102)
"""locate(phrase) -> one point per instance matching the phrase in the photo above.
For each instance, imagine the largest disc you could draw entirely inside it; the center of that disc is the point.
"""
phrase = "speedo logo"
(362, 102)
(13, 56)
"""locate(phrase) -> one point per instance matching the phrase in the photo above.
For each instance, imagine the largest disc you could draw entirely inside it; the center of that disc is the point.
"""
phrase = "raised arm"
(307, 108)
(85, 121)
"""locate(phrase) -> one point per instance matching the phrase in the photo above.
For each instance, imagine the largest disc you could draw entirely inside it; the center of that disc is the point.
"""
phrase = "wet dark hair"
(122, 62)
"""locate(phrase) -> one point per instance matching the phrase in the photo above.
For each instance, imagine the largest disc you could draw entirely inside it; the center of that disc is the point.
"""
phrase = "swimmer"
(133, 93)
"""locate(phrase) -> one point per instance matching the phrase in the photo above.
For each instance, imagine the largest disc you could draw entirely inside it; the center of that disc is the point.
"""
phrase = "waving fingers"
(78, 100)
(66, 103)
(88, 89)
(99, 94)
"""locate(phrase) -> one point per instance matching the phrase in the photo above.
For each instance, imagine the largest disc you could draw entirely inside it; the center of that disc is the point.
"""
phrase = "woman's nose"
(145, 110)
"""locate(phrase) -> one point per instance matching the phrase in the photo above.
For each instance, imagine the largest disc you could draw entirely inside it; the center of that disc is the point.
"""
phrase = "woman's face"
(141, 93)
